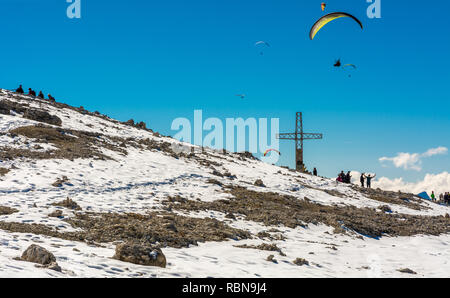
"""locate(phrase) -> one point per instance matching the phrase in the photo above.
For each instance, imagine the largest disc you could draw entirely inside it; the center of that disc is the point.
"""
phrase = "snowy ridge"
(142, 179)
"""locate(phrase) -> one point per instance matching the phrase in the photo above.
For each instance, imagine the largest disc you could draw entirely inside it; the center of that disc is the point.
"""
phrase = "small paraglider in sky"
(262, 45)
(323, 5)
(269, 150)
(347, 66)
(328, 18)
(337, 63)
(242, 96)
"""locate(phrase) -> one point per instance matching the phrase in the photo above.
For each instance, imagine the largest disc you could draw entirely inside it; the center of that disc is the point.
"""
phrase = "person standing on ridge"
(342, 176)
(369, 180)
(433, 197)
(348, 177)
(315, 172)
(41, 95)
(31, 92)
(20, 90)
(361, 179)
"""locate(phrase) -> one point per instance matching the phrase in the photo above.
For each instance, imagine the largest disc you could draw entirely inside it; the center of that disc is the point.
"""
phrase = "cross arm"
(293, 136)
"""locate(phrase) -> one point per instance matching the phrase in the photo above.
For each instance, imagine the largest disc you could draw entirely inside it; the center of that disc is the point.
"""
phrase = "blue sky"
(155, 61)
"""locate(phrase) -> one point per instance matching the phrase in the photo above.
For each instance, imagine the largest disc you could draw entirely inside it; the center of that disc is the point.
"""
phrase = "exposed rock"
(214, 181)
(68, 203)
(37, 254)
(141, 125)
(259, 183)
(60, 181)
(42, 116)
(56, 213)
(271, 258)
(230, 216)
(4, 171)
(263, 246)
(300, 262)
(385, 208)
(140, 254)
(406, 270)
(7, 210)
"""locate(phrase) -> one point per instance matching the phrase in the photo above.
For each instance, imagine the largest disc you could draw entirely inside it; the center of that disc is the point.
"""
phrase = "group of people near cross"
(364, 179)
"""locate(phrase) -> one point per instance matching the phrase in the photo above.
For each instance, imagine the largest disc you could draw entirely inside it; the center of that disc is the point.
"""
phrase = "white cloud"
(413, 161)
(439, 183)
(435, 151)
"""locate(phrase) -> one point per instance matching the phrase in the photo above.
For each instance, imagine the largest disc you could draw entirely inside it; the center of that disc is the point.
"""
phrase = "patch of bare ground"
(165, 229)
(39, 115)
(300, 262)
(263, 246)
(273, 209)
(391, 197)
(71, 144)
(7, 211)
(60, 181)
(69, 204)
(156, 229)
(3, 171)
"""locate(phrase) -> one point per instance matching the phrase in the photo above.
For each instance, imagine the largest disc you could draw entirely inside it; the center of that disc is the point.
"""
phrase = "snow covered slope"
(114, 170)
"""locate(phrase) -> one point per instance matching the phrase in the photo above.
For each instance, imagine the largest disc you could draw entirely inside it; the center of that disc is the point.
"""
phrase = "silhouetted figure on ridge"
(20, 90)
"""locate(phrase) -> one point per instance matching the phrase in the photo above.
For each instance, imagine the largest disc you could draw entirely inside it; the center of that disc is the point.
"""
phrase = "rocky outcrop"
(39, 255)
(42, 116)
(259, 183)
(300, 262)
(140, 254)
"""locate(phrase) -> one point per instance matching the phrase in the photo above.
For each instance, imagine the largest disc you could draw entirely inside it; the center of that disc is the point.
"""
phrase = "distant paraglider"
(328, 18)
(323, 5)
(262, 44)
(347, 66)
(242, 96)
(269, 150)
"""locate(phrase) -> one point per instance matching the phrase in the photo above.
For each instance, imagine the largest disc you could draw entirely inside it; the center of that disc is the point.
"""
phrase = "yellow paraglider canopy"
(328, 18)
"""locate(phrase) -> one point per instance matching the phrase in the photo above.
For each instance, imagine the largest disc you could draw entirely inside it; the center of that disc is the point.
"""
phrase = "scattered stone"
(214, 181)
(385, 208)
(56, 213)
(300, 262)
(263, 246)
(140, 254)
(406, 270)
(37, 254)
(259, 183)
(230, 216)
(7, 210)
(68, 203)
(60, 181)
(4, 171)
(271, 258)
(217, 173)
